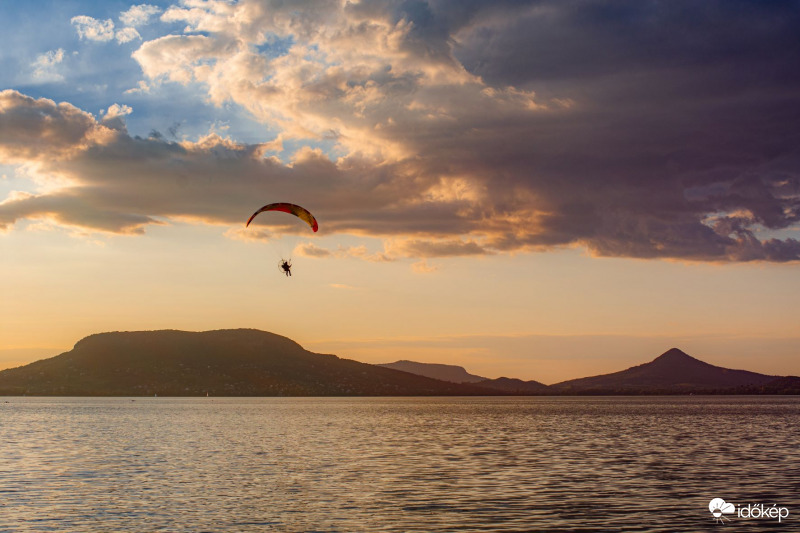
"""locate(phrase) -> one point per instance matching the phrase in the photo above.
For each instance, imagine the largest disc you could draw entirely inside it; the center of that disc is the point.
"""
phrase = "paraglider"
(300, 212)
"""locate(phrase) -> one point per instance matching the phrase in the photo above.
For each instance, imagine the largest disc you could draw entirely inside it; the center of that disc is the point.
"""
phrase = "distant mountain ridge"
(451, 373)
(248, 362)
(673, 372)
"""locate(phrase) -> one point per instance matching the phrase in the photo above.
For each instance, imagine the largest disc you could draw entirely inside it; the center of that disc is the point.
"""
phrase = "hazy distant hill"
(452, 373)
(672, 371)
(242, 362)
(515, 386)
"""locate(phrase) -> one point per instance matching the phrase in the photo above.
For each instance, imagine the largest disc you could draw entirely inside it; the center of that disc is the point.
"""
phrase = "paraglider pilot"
(300, 212)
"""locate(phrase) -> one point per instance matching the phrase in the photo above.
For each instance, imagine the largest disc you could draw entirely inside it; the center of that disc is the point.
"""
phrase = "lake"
(398, 464)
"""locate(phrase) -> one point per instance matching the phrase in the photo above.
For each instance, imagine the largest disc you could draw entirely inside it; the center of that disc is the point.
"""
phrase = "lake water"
(396, 464)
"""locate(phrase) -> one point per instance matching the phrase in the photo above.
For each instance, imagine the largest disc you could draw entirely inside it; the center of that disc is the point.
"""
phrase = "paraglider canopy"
(292, 209)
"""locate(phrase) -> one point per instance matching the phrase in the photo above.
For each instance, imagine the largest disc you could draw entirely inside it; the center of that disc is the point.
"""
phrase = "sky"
(536, 189)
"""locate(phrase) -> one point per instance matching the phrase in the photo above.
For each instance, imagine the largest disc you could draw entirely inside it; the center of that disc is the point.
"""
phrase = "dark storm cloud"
(550, 41)
(666, 98)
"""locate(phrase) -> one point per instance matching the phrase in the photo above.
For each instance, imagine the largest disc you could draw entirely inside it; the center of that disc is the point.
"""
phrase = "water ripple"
(394, 464)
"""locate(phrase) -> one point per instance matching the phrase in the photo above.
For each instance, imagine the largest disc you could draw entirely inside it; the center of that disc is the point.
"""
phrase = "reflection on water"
(394, 464)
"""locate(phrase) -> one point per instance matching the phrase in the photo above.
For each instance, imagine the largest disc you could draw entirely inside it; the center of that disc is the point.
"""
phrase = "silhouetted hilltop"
(515, 386)
(241, 362)
(452, 373)
(671, 372)
(248, 362)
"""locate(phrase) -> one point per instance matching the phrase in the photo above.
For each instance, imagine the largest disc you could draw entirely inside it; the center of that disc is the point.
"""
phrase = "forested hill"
(240, 362)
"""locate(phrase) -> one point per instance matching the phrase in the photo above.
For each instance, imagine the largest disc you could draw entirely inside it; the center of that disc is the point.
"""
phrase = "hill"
(247, 362)
(452, 373)
(241, 362)
(672, 372)
(515, 386)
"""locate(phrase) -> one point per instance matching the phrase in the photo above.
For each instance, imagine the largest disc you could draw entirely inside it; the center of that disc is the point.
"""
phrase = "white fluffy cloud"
(346, 76)
(138, 15)
(126, 35)
(44, 66)
(92, 29)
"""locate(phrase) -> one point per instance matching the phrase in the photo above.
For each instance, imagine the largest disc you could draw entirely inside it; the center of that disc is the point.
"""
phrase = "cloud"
(117, 110)
(142, 87)
(312, 250)
(114, 117)
(600, 172)
(177, 57)
(634, 130)
(437, 248)
(138, 15)
(423, 267)
(92, 29)
(126, 35)
(44, 66)
(34, 130)
(357, 252)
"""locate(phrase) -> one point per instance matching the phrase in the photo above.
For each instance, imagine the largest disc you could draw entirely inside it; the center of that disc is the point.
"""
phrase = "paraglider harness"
(286, 266)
